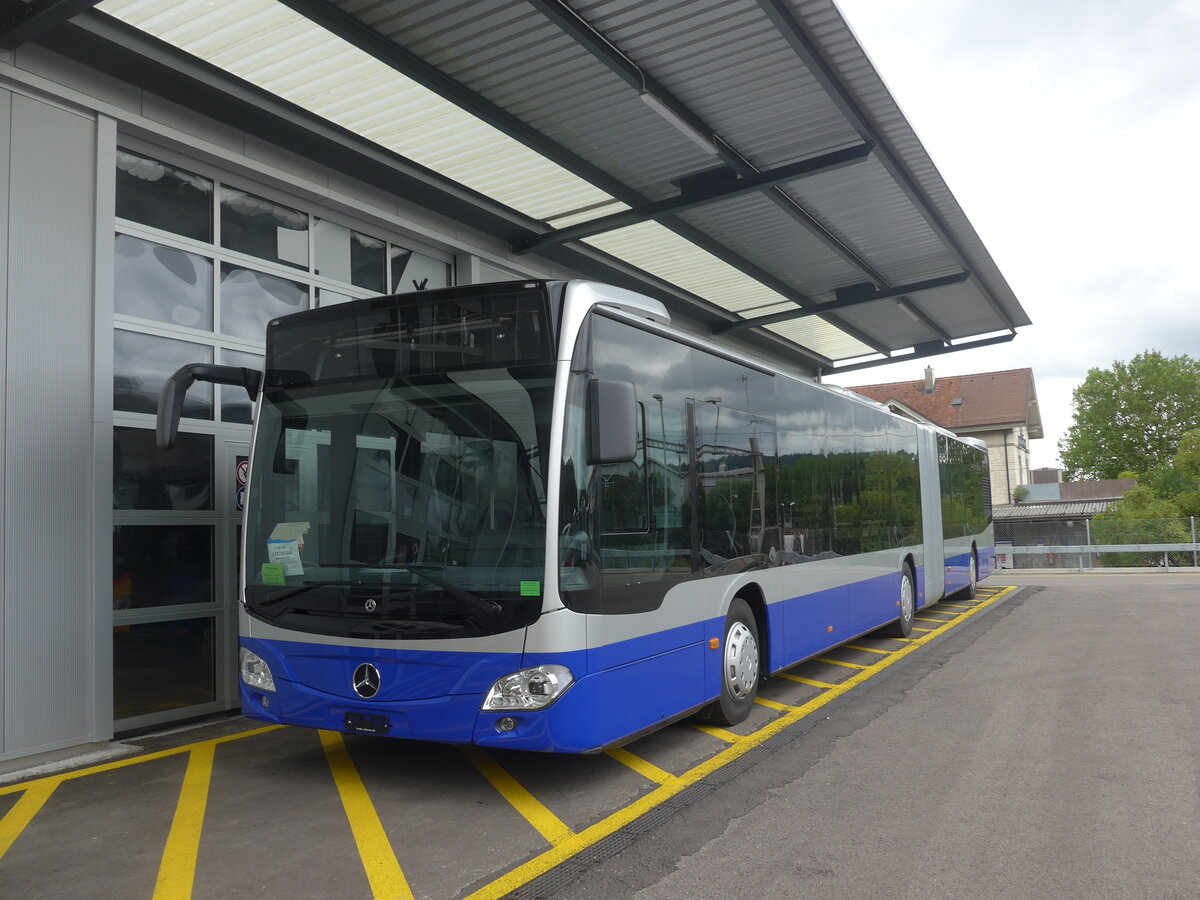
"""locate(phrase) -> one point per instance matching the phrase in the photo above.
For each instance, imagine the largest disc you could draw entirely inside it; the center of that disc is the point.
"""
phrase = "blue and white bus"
(533, 515)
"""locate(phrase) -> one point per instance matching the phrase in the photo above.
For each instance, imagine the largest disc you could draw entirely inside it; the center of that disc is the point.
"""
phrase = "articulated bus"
(533, 515)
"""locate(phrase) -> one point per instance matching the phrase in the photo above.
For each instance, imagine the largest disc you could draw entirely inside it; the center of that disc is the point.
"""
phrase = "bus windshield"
(404, 506)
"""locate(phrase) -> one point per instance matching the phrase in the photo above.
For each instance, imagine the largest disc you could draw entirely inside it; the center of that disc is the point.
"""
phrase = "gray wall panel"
(5, 123)
(49, 615)
(76, 76)
(102, 456)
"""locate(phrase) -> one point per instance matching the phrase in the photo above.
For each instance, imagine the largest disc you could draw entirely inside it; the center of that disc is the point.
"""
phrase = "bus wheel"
(903, 625)
(741, 664)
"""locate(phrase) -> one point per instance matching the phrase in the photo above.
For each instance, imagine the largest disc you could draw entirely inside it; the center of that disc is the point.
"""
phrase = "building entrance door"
(175, 576)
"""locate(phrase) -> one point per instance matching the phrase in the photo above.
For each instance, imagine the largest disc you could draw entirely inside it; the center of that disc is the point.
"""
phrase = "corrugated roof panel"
(835, 343)
(873, 216)
(822, 21)
(760, 231)
(959, 310)
(663, 253)
(1062, 510)
(513, 56)
(282, 52)
(726, 62)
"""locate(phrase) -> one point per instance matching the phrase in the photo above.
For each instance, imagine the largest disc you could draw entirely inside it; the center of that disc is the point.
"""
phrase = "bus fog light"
(255, 672)
(506, 723)
(533, 688)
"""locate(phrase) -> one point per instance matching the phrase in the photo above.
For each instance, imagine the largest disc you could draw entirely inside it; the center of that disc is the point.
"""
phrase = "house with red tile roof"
(999, 408)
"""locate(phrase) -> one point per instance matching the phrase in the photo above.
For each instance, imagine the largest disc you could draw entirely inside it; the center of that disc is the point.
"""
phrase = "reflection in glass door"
(235, 461)
(174, 577)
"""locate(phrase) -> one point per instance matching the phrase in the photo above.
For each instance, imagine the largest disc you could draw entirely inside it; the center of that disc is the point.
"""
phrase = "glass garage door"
(202, 262)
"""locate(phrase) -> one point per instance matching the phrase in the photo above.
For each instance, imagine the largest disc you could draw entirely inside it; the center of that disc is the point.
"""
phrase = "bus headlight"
(534, 688)
(255, 672)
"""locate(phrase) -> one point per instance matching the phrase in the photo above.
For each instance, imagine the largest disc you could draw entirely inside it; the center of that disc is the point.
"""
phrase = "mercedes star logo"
(370, 604)
(366, 681)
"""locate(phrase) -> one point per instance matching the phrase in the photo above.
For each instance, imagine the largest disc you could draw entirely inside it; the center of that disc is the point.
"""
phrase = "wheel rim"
(741, 661)
(973, 578)
(906, 598)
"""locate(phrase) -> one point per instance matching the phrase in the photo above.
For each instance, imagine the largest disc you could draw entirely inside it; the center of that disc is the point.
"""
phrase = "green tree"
(1131, 416)
(1178, 480)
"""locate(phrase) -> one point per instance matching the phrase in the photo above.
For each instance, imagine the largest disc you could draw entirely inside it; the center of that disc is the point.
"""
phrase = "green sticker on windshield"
(272, 573)
(531, 589)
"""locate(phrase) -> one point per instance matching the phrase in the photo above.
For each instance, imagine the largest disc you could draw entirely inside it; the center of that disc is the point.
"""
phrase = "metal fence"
(1087, 543)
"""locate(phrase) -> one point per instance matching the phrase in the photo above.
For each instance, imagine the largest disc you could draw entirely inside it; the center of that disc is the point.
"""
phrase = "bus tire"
(741, 666)
(903, 625)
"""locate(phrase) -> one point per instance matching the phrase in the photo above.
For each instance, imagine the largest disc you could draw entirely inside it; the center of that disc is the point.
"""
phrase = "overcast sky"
(1068, 130)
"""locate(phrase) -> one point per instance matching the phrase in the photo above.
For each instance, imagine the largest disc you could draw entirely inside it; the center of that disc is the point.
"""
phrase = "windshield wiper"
(470, 602)
(302, 589)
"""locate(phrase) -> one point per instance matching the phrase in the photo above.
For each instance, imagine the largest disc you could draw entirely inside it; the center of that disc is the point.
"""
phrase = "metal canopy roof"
(741, 156)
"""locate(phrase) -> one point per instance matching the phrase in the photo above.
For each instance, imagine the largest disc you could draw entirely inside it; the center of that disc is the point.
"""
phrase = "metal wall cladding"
(6, 99)
(48, 599)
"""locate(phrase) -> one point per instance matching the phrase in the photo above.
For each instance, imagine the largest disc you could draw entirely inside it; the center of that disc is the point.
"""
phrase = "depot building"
(174, 174)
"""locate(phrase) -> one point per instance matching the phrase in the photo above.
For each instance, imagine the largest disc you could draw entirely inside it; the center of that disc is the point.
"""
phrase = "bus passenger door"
(931, 583)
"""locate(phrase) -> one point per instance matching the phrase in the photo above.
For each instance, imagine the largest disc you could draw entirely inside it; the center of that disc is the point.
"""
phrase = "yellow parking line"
(177, 871)
(809, 681)
(938, 621)
(374, 849)
(646, 769)
(838, 662)
(901, 640)
(867, 649)
(593, 834)
(771, 704)
(955, 606)
(926, 630)
(135, 760)
(24, 810)
(719, 733)
(548, 825)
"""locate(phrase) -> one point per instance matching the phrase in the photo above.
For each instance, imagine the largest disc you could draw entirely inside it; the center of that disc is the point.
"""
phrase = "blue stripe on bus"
(958, 571)
(987, 561)
(634, 685)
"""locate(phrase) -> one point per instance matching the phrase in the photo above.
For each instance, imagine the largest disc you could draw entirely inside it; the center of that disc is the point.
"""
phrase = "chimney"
(929, 379)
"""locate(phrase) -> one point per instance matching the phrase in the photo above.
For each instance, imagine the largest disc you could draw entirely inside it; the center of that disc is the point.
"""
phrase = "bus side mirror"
(170, 401)
(612, 422)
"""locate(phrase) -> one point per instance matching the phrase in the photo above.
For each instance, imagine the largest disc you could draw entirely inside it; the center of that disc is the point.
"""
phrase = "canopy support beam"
(690, 199)
(849, 296)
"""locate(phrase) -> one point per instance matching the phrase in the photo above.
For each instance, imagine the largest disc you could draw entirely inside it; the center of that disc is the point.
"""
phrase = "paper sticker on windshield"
(286, 554)
(290, 531)
(531, 589)
(272, 573)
